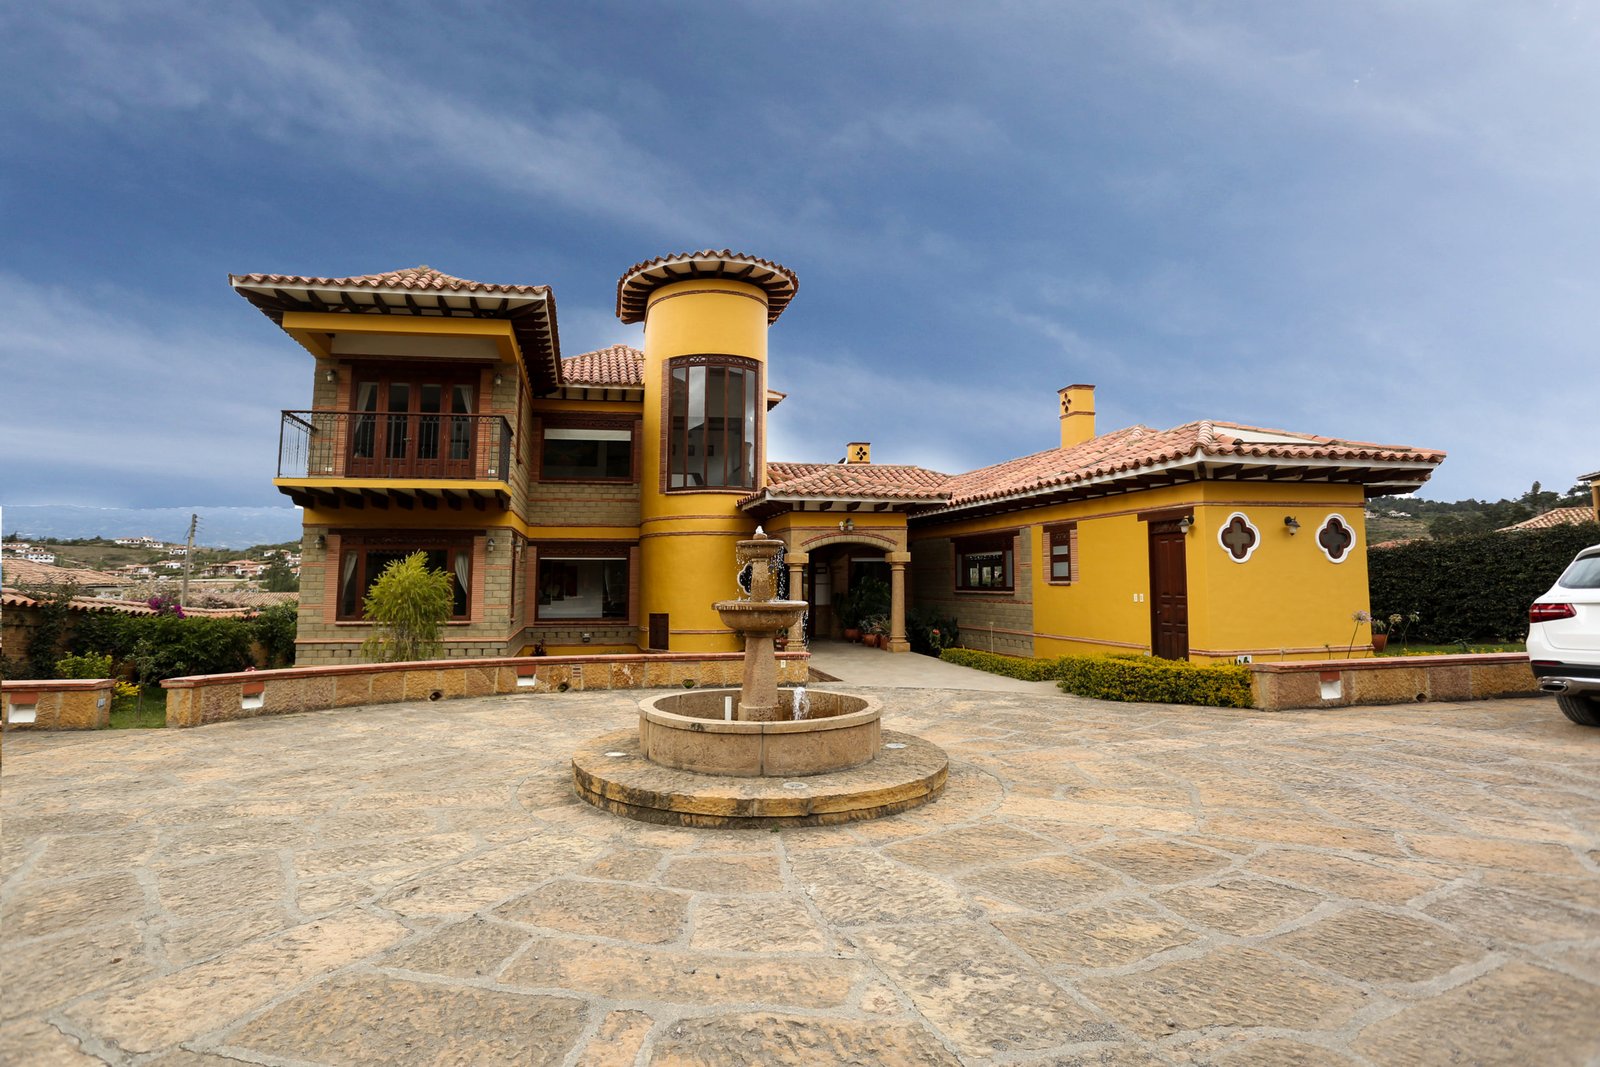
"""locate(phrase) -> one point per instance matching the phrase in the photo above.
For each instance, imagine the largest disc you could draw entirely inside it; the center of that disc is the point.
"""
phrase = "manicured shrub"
(1135, 678)
(1154, 681)
(167, 646)
(88, 665)
(1474, 588)
(1028, 670)
(408, 606)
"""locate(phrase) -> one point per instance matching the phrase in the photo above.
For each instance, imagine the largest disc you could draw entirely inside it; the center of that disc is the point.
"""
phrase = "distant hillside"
(222, 527)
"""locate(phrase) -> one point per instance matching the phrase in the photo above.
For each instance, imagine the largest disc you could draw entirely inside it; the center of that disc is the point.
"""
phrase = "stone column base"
(899, 646)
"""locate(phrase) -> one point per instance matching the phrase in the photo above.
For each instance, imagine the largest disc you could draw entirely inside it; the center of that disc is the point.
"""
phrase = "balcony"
(358, 459)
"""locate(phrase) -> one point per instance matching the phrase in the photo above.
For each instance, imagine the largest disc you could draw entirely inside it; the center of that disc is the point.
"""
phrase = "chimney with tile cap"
(1077, 414)
(858, 452)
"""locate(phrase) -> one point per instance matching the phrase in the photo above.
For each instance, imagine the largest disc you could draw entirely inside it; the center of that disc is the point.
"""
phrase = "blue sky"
(1377, 221)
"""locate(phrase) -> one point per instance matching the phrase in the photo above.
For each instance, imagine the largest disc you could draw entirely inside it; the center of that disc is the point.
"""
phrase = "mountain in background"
(220, 527)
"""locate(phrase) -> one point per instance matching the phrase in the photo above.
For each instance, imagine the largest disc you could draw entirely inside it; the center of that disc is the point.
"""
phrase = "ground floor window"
(584, 587)
(1061, 549)
(362, 561)
(984, 563)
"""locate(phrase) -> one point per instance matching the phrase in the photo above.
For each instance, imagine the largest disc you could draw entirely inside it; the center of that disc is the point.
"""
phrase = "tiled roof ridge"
(1576, 515)
(420, 278)
(613, 365)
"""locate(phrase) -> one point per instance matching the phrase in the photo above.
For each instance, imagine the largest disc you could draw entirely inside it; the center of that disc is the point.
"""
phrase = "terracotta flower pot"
(851, 634)
(1379, 642)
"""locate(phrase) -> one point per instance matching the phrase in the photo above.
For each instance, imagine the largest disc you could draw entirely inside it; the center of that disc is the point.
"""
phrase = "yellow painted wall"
(1288, 601)
(687, 539)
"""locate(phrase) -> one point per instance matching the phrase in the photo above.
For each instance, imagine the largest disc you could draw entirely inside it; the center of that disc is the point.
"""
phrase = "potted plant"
(1380, 632)
(877, 630)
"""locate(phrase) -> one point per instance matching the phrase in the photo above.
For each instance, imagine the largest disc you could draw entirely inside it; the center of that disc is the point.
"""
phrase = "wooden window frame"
(757, 409)
(986, 544)
(557, 551)
(588, 422)
(453, 544)
(1064, 534)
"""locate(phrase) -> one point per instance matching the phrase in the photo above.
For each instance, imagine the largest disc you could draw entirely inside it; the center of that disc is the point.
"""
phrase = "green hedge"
(1138, 678)
(1028, 670)
(1474, 588)
(1155, 681)
(167, 646)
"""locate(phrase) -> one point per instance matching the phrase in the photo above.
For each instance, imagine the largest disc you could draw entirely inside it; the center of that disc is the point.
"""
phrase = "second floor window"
(711, 423)
(586, 454)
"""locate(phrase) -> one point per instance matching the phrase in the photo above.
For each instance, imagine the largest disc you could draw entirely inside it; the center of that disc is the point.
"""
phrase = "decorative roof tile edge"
(636, 284)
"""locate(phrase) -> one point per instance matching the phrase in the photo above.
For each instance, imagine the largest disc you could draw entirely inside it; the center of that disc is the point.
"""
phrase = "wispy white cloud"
(107, 410)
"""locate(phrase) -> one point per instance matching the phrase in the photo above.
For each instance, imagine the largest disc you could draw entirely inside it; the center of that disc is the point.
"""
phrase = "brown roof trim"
(531, 309)
(642, 279)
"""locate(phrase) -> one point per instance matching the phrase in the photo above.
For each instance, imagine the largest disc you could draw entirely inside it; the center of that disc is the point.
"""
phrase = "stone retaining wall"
(224, 697)
(1390, 680)
(57, 704)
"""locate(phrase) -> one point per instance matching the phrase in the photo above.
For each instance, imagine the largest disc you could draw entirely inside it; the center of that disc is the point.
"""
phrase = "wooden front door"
(1169, 591)
(417, 427)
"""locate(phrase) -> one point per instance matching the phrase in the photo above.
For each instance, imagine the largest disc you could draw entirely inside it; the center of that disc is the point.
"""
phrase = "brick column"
(897, 602)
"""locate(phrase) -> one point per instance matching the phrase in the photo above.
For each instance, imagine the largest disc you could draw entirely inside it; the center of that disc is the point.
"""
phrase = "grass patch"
(127, 712)
(1457, 648)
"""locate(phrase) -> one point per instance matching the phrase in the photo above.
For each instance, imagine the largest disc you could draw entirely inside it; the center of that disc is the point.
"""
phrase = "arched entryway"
(851, 576)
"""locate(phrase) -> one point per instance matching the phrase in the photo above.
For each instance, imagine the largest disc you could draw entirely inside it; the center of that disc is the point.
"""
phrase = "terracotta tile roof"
(420, 279)
(531, 309)
(642, 279)
(861, 481)
(9, 599)
(1578, 516)
(619, 365)
(1136, 447)
(26, 572)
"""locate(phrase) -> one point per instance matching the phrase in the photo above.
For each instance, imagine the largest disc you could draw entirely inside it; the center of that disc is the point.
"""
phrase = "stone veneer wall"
(58, 704)
(989, 622)
(1390, 680)
(224, 697)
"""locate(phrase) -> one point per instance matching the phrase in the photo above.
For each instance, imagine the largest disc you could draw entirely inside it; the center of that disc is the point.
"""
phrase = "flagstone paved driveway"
(1101, 884)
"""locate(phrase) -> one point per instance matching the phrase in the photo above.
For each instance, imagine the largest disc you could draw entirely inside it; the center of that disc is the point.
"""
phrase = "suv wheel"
(1581, 709)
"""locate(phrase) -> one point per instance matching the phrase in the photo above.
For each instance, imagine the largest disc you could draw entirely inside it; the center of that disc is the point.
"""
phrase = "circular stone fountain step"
(610, 772)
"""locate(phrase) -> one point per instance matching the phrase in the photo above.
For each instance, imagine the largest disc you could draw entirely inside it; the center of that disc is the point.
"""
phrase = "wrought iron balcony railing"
(378, 444)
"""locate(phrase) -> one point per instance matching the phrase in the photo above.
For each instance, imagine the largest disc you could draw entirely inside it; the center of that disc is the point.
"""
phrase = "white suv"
(1564, 639)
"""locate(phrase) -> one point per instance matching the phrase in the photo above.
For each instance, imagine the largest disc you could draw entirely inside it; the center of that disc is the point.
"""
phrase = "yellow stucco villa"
(590, 504)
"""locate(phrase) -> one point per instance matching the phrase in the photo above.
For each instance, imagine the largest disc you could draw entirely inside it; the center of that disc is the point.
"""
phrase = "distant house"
(139, 542)
(39, 555)
(1579, 516)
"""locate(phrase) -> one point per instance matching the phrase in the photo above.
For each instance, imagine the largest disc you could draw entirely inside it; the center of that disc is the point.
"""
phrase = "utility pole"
(188, 561)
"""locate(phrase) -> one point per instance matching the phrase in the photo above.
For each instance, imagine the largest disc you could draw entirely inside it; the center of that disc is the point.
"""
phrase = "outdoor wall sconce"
(1291, 524)
(499, 379)
(489, 544)
(320, 543)
(1184, 524)
(330, 375)
(846, 525)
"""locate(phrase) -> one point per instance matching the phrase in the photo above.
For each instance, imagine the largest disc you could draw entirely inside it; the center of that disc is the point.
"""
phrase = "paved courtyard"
(1101, 884)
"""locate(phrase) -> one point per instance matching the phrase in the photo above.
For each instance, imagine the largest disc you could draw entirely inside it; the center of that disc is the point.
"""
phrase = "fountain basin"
(755, 616)
(687, 731)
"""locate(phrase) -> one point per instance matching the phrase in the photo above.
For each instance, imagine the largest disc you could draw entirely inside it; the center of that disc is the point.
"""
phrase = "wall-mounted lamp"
(846, 525)
(320, 543)
(1291, 524)
(499, 379)
(1184, 524)
(330, 375)
(489, 545)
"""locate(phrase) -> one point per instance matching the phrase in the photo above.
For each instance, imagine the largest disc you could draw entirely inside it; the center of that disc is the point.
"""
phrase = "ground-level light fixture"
(1291, 524)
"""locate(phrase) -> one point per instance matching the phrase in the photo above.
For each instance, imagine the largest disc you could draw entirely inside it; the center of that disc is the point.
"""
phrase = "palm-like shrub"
(408, 606)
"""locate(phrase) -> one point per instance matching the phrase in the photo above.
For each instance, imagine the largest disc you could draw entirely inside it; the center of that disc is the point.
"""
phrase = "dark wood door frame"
(1169, 590)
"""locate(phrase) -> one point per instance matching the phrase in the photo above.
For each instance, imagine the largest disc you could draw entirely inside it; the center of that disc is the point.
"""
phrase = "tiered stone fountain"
(721, 757)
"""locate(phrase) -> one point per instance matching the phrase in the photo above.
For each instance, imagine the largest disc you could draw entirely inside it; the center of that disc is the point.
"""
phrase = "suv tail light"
(1551, 612)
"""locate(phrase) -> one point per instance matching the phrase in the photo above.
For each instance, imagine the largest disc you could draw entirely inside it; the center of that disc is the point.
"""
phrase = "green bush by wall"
(1155, 681)
(1137, 678)
(1474, 588)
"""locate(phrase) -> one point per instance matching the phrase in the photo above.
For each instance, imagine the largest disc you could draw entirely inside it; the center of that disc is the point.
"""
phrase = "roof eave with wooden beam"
(361, 494)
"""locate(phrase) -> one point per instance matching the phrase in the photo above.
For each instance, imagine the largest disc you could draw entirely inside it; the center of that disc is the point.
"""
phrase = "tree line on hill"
(1463, 518)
